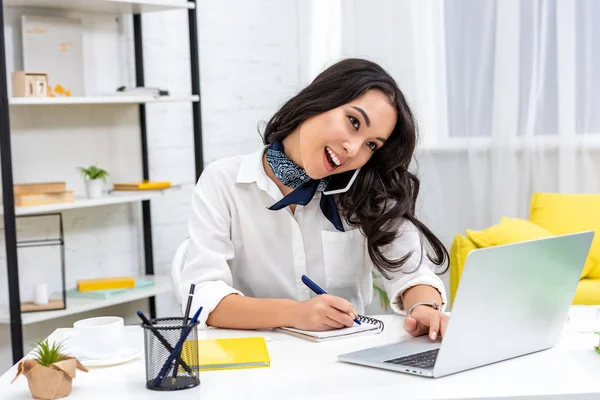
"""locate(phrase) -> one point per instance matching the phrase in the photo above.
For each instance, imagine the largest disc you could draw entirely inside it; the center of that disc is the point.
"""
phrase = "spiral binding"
(371, 320)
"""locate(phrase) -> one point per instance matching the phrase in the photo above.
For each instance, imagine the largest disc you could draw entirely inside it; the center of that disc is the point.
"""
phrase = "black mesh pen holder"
(160, 340)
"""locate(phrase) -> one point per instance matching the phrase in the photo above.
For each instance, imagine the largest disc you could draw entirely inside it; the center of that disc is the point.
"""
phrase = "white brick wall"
(251, 60)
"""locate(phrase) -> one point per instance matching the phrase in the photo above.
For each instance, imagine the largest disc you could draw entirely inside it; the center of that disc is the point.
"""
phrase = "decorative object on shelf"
(35, 194)
(39, 292)
(94, 178)
(139, 91)
(58, 91)
(50, 374)
(54, 45)
(29, 84)
(143, 185)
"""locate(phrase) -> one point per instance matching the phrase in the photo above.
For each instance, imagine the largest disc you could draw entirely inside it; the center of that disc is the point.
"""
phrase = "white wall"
(253, 56)
(250, 61)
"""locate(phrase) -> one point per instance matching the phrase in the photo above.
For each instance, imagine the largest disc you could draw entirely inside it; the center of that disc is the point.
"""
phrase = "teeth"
(333, 157)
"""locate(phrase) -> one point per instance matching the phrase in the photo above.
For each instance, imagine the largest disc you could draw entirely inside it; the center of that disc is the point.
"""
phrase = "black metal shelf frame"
(16, 330)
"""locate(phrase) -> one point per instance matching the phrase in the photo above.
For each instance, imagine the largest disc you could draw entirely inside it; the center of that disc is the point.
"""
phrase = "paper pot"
(49, 383)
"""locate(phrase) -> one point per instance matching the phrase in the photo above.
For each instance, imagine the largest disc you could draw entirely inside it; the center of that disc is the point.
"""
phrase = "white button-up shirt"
(237, 245)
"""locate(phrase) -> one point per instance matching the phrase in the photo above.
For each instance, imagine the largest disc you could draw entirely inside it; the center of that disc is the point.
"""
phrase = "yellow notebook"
(220, 354)
(143, 185)
(114, 282)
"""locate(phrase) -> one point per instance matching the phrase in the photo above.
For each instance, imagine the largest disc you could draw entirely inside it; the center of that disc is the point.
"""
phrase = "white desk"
(305, 370)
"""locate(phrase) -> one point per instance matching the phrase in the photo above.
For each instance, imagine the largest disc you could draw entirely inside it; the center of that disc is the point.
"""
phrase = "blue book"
(106, 294)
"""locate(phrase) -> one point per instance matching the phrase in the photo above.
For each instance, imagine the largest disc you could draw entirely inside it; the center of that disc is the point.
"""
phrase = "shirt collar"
(252, 170)
(251, 167)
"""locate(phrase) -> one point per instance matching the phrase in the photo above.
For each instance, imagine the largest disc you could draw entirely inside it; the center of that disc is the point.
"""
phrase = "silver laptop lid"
(512, 300)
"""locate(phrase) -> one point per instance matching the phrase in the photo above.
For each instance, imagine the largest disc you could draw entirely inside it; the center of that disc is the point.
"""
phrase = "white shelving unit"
(162, 284)
(84, 202)
(13, 316)
(105, 6)
(47, 101)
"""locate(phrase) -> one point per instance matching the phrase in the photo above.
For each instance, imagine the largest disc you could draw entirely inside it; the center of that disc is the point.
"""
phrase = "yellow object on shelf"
(230, 353)
(144, 185)
(116, 282)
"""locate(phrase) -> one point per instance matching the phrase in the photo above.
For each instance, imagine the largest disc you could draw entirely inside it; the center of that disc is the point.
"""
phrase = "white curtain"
(506, 93)
(521, 101)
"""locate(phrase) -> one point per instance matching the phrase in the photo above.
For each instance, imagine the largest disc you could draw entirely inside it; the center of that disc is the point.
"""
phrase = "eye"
(372, 146)
(355, 122)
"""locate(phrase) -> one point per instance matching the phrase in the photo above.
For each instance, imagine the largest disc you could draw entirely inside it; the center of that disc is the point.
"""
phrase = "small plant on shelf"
(94, 177)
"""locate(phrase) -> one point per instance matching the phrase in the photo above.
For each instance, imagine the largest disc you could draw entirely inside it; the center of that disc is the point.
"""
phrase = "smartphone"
(341, 183)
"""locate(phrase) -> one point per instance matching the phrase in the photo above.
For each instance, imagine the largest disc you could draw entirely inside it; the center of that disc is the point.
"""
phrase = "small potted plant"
(50, 374)
(94, 177)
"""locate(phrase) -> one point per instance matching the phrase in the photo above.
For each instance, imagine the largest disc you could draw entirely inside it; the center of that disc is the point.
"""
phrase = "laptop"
(512, 300)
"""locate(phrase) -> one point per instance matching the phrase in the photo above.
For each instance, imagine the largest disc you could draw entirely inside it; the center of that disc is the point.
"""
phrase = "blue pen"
(315, 288)
(163, 372)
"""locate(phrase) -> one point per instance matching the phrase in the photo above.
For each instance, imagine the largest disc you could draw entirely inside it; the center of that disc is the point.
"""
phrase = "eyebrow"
(382, 140)
(364, 114)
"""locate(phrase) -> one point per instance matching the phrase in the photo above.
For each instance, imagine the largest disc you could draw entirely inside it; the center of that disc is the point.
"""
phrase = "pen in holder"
(162, 359)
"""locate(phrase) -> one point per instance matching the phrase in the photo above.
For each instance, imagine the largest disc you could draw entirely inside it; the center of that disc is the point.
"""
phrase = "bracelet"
(432, 304)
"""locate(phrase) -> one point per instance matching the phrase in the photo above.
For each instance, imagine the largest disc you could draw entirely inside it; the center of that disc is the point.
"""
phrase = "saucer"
(125, 354)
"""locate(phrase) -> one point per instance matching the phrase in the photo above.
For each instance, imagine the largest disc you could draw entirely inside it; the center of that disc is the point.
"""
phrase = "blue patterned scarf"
(291, 175)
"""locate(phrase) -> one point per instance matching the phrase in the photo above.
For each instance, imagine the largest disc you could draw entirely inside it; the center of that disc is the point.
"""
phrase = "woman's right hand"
(323, 313)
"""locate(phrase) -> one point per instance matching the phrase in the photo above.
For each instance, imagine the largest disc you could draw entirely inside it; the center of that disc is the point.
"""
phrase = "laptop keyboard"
(424, 360)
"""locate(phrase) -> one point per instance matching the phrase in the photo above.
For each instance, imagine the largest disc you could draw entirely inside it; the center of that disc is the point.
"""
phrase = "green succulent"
(48, 354)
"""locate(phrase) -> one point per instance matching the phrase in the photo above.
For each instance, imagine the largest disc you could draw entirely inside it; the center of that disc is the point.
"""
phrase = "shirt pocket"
(343, 257)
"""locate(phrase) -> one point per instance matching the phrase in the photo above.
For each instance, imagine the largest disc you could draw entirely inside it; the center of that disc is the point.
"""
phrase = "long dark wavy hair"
(385, 192)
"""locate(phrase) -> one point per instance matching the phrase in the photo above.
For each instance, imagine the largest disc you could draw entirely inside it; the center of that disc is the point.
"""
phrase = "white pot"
(93, 188)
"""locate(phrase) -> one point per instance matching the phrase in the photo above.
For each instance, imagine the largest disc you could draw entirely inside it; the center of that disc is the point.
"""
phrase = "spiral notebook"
(368, 326)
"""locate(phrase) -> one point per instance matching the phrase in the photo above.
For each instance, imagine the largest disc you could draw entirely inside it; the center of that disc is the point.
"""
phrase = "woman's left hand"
(425, 320)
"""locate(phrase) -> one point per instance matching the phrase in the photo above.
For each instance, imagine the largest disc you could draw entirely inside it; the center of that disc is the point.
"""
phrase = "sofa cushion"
(508, 230)
(588, 292)
(569, 213)
(459, 250)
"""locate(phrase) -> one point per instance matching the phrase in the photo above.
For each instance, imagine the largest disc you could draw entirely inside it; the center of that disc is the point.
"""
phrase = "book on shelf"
(38, 199)
(109, 293)
(39, 187)
(142, 185)
(105, 283)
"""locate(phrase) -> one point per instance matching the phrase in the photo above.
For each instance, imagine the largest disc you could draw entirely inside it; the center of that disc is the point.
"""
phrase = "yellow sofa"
(550, 214)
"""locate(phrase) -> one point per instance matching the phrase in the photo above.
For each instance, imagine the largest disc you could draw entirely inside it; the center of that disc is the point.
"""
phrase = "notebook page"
(336, 332)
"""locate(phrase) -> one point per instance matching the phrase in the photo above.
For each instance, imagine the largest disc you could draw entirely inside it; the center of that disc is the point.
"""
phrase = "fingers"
(414, 327)
(333, 324)
(434, 325)
(342, 305)
(443, 324)
(340, 318)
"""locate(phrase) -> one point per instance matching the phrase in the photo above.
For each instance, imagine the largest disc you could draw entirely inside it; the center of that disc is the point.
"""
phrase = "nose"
(352, 147)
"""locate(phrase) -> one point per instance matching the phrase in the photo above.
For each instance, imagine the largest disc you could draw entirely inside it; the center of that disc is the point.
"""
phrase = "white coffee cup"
(98, 338)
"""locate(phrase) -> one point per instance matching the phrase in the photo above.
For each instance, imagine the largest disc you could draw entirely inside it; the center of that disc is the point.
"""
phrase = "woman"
(261, 221)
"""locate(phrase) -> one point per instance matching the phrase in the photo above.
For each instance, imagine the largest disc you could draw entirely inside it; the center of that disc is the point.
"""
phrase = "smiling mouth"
(334, 162)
